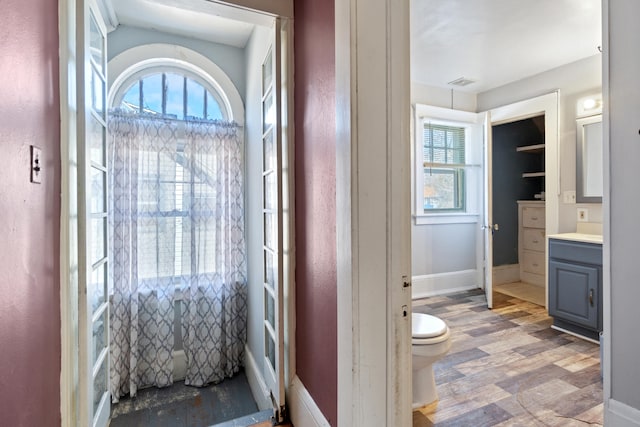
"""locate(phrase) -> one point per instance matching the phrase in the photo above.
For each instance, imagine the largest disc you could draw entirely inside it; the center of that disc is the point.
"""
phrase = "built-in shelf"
(532, 174)
(537, 148)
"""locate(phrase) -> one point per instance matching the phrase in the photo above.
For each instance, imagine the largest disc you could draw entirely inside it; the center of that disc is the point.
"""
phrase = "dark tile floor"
(507, 367)
(184, 406)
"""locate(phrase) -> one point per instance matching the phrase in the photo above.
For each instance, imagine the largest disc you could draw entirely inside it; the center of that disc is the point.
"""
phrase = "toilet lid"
(426, 326)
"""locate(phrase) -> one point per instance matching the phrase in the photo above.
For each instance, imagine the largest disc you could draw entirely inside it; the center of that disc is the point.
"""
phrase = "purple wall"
(29, 215)
(316, 277)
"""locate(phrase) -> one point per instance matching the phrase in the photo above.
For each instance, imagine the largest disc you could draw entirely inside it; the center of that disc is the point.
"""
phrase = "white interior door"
(272, 151)
(487, 224)
(92, 217)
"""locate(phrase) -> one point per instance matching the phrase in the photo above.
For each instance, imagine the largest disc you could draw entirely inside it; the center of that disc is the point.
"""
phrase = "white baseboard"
(256, 381)
(506, 274)
(618, 414)
(303, 409)
(444, 283)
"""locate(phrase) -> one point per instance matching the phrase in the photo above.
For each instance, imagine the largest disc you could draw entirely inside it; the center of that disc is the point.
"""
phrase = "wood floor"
(507, 367)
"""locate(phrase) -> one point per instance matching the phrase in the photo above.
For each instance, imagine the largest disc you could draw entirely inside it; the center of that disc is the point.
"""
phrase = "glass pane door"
(273, 321)
(94, 265)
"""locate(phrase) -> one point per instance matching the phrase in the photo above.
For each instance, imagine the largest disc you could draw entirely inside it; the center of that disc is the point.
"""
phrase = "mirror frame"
(580, 124)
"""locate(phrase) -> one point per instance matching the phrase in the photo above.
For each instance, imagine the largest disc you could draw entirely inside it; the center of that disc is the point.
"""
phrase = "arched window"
(172, 93)
(173, 81)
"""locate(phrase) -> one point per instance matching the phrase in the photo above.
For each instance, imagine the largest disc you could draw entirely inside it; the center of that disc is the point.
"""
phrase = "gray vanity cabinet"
(575, 286)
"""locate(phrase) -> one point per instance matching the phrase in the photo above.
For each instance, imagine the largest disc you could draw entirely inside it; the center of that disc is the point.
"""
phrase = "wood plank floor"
(507, 367)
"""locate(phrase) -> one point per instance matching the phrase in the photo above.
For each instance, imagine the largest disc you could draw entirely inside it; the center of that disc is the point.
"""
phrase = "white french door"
(487, 223)
(93, 262)
(273, 225)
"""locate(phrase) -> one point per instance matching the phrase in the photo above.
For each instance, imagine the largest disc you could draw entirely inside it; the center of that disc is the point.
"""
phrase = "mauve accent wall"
(316, 277)
(29, 215)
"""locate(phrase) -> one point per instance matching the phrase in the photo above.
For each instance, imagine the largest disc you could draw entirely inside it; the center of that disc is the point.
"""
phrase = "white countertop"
(578, 237)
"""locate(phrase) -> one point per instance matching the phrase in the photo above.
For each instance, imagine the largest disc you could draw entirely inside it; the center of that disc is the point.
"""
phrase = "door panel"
(92, 219)
(487, 224)
(272, 209)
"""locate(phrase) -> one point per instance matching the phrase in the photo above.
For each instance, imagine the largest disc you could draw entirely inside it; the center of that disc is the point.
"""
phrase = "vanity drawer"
(533, 262)
(533, 217)
(533, 239)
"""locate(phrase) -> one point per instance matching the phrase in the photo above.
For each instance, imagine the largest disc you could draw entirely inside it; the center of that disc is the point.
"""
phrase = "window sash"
(453, 194)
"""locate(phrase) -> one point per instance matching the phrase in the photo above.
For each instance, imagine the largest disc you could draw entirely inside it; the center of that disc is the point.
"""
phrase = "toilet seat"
(427, 329)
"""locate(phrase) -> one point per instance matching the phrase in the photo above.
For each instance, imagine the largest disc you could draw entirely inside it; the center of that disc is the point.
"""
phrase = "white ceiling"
(198, 19)
(495, 42)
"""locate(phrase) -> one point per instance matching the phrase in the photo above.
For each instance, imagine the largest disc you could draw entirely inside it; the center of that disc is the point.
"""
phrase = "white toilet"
(430, 342)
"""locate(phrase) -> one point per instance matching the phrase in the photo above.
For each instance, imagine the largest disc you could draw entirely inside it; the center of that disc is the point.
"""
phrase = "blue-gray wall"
(230, 59)
(508, 184)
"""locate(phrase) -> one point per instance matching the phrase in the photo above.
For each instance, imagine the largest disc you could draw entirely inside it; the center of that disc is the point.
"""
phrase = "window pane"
(195, 99)
(99, 385)
(267, 72)
(443, 189)
(97, 92)
(99, 335)
(268, 113)
(269, 309)
(97, 288)
(96, 140)
(131, 99)
(96, 43)
(443, 144)
(152, 94)
(98, 178)
(270, 348)
(175, 95)
(213, 108)
(269, 269)
(98, 231)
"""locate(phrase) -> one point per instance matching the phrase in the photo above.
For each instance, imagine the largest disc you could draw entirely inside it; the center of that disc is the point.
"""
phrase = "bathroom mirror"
(589, 180)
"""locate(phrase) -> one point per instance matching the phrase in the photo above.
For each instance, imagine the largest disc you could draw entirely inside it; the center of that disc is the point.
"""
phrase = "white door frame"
(69, 247)
(373, 195)
(549, 106)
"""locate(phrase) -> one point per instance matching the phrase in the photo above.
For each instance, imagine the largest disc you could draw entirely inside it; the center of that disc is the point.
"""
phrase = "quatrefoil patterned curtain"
(176, 234)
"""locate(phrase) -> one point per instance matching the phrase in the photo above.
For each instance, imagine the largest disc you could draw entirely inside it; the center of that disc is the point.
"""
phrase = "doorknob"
(492, 227)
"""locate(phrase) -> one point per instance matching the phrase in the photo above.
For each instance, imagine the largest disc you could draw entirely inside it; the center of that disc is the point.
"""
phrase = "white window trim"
(447, 117)
(154, 56)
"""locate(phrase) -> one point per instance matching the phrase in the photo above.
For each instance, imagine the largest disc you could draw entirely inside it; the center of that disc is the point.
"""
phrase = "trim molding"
(303, 409)
(256, 381)
(621, 415)
(444, 283)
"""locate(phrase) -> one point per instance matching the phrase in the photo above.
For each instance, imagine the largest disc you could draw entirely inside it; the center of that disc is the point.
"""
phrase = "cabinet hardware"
(591, 297)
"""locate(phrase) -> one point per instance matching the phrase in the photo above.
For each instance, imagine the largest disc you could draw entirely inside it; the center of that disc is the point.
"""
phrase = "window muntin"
(444, 164)
(172, 93)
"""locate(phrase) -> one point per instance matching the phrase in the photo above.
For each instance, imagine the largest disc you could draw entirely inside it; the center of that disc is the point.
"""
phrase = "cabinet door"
(573, 293)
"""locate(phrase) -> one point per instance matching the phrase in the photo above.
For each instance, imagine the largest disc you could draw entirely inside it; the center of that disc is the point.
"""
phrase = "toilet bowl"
(431, 340)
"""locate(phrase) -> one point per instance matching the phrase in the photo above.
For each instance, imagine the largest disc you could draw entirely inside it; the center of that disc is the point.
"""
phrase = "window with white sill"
(448, 166)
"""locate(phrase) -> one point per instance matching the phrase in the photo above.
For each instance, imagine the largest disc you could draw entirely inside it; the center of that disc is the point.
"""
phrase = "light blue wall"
(230, 59)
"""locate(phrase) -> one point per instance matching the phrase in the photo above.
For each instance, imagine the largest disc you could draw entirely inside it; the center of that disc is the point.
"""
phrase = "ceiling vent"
(461, 82)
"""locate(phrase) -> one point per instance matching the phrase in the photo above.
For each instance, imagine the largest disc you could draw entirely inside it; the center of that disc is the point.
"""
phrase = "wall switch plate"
(36, 165)
(583, 215)
(569, 197)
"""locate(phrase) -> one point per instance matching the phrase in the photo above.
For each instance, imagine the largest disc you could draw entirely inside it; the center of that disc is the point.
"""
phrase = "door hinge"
(406, 282)
(281, 416)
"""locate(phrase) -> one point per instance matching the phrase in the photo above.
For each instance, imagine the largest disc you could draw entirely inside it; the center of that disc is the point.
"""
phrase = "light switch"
(569, 197)
(36, 165)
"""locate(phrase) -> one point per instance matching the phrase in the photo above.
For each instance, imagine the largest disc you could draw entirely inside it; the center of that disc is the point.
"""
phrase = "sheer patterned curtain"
(177, 228)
